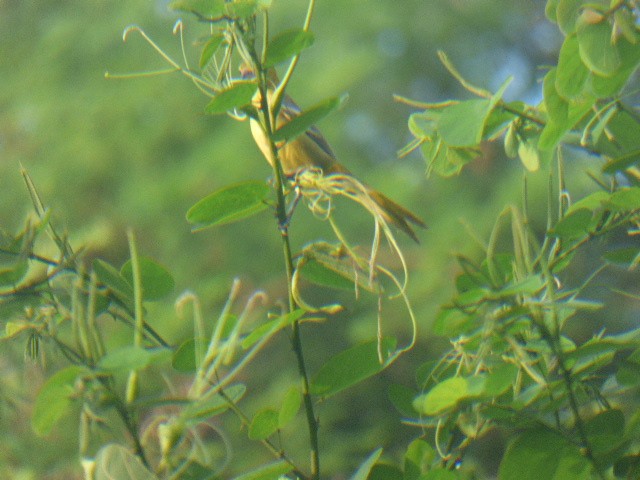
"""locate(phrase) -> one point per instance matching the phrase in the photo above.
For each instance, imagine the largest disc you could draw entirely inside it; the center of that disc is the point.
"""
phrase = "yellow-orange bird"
(312, 151)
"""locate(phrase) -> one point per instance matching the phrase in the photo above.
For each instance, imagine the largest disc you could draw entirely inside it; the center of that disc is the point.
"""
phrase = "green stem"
(554, 341)
(296, 340)
(283, 221)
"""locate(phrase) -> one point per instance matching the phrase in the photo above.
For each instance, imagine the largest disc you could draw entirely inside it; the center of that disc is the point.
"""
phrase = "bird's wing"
(289, 110)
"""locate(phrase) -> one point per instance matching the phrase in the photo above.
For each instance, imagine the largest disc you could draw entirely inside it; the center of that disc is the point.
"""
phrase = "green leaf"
(574, 225)
(264, 424)
(54, 399)
(231, 204)
(452, 322)
(447, 394)
(307, 119)
(209, 49)
(571, 75)
(622, 256)
(555, 129)
(402, 399)
(422, 124)
(612, 85)
(115, 461)
(605, 430)
(207, 8)
(112, 279)
(245, 8)
(595, 47)
(132, 358)
(156, 280)
(350, 367)
(286, 45)
(184, 358)
(625, 199)
(450, 160)
(271, 471)
(318, 273)
(540, 453)
(365, 468)
(270, 327)
(550, 10)
(204, 408)
(500, 379)
(325, 265)
(557, 107)
(567, 13)
(384, 471)
(236, 96)
(462, 124)
(528, 153)
(592, 202)
(622, 162)
(440, 473)
(417, 459)
(289, 407)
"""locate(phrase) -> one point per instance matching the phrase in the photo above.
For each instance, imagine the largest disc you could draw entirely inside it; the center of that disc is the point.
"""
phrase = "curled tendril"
(318, 191)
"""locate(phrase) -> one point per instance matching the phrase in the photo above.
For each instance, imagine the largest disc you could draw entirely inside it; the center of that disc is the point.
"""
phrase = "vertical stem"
(296, 341)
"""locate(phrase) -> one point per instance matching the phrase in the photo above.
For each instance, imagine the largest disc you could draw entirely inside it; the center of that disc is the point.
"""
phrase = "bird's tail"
(396, 214)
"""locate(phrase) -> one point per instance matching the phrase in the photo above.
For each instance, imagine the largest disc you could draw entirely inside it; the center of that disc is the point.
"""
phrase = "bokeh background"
(111, 154)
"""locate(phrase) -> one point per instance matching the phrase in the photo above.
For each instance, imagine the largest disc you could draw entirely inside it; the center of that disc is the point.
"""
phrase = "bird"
(311, 151)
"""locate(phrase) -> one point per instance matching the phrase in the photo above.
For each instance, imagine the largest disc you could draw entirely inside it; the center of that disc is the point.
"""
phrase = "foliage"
(513, 365)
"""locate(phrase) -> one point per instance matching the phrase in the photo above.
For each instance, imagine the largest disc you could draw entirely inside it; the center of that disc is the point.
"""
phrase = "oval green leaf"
(307, 119)
(528, 153)
(462, 124)
(271, 327)
(574, 225)
(350, 367)
(322, 274)
(184, 358)
(571, 75)
(207, 8)
(209, 49)
(595, 47)
(289, 407)
(557, 107)
(264, 424)
(228, 205)
(286, 45)
(402, 399)
(156, 280)
(566, 15)
(236, 96)
(54, 399)
(444, 396)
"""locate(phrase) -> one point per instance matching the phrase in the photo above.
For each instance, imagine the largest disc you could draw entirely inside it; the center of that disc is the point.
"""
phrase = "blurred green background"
(111, 154)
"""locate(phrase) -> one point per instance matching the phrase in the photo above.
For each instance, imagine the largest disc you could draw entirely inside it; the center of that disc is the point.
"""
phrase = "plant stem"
(283, 225)
(296, 341)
